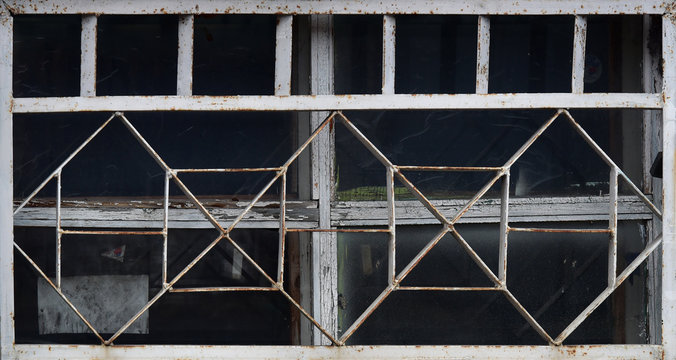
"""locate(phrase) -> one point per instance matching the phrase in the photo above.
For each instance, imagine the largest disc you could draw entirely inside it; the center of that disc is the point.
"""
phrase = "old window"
(348, 174)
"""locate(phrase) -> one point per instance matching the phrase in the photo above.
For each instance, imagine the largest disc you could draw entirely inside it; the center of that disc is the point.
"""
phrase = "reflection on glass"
(559, 162)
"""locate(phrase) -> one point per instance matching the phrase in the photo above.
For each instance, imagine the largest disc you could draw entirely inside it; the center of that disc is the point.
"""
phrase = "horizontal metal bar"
(377, 352)
(222, 289)
(102, 232)
(267, 169)
(448, 168)
(549, 230)
(437, 288)
(338, 102)
(341, 230)
(293, 7)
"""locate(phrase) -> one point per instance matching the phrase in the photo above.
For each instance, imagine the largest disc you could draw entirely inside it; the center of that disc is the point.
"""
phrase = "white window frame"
(320, 102)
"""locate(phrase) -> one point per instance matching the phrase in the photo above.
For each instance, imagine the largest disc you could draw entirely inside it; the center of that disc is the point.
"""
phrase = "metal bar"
(391, 224)
(282, 232)
(448, 168)
(63, 164)
(597, 149)
(364, 315)
(483, 44)
(477, 259)
(309, 140)
(229, 170)
(7, 335)
(254, 201)
(184, 64)
(669, 186)
(477, 196)
(222, 289)
(58, 291)
(421, 254)
(641, 195)
(550, 230)
(609, 290)
(579, 44)
(437, 288)
(389, 49)
(283, 55)
(143, 142)
(526, 315)
(340, 230)
(612, 227)
(364, 140)
(357, 352)
(531, 140)
(336, 7)
(59, 231)
(504, 231)
(109, 232)
(165, 228)
(423, 200)
(339, 102)
(88, 55)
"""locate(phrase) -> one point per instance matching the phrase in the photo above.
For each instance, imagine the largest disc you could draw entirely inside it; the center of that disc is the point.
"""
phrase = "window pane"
(554, 276)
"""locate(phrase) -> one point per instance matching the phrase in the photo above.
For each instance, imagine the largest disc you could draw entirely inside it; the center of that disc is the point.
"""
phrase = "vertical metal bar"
(186, 25)
(88, 55)
(504, 230)
(392, 250)
(669, 186)
(389, 46)
(282, 232)
(324, 245)
(6, 187)
(165, 228)
(483, 44)
(579, 44)
(612, 226)
(283, 55)
(59, 234)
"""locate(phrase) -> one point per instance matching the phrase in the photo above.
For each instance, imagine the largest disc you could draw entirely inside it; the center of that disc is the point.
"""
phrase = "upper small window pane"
(234, 55)
(137, 55)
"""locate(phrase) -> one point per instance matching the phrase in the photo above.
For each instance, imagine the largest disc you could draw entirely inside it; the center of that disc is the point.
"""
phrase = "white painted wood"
(457, 7)
(6, 189)
(186, 25)
(483, 44)
(324, 245)
(339, 102)
(579, 45)
(88, 55)
(669, 189)
(304, 214)
(652, 144)
(389, 50)
(283, 55)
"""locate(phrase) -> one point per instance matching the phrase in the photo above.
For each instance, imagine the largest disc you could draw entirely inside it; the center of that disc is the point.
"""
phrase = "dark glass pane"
(614, 54)
(110, 277)
(358, 54)
(137, 55)
(560, 161)
(435, 54)
(554, 276)
(530, 54)
(234, 55)
(115, 164)
(46, 56)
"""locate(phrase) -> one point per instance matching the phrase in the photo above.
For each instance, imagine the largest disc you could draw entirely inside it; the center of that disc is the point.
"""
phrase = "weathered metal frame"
(282, 101)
